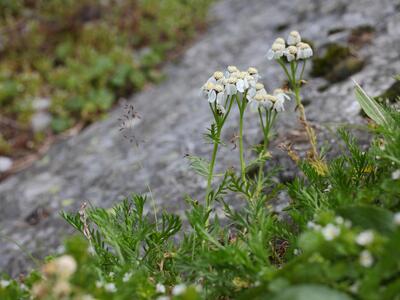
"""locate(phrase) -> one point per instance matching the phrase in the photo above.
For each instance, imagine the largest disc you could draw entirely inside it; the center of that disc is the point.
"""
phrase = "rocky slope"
(101, 167)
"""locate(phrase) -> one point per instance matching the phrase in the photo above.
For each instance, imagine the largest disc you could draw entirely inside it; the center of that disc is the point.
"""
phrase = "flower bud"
(294, 38)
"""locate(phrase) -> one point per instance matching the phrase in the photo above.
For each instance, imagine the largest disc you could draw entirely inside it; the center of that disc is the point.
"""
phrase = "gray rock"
(101, 167)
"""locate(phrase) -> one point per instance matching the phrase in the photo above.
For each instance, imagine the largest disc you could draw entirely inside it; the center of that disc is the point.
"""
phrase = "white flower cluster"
(292, 49)
(330, 231)
(366, 259)
(365, 238)
(231, 82)
(258, 97)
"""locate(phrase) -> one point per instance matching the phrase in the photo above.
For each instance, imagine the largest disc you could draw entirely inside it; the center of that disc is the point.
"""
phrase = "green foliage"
(84, 55)
(338, 239)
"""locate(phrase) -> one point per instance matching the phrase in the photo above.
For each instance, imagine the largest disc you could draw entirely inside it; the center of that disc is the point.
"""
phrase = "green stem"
(302, 70)
(242, 162)
(211, 172)
(269, 120)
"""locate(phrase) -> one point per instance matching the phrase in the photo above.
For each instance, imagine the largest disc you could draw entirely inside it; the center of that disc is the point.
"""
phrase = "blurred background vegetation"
(64, 63)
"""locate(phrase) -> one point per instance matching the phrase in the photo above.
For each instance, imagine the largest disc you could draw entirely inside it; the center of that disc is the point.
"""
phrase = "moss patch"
(392, 94)
(361, 35)
(336, 64)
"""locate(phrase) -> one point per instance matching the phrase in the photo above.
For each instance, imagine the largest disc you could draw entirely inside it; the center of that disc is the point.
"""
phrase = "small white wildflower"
(160, 288)
(111, 274)
(328, 188)
(231, 88)
(304, 51)
(330, 232)
(281, 95)
(339, 220)
(310, 225)
(253, 72)
(91, 250)
(65, 266)
(296, 251)
(179, 289)
(127, 277)
(294, 38)
(218, 75)
(347, 224)
(276, 51)
(232, 69)
(23, 287)
(214, 92)
(110, 287)
(290, 53)
(4, 283)
(354, 288)
(277, 104)
(396, 174)
(99, 284)
(366, 259)
(365, 238)
(396, 218)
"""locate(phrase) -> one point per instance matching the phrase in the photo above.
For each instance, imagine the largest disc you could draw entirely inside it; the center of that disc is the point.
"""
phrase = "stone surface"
(101, 167)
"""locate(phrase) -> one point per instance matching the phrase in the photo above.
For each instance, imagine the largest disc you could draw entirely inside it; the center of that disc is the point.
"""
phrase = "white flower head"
(396, 174)
(294, 38)
(347, 223)
(339, 220)
(280, 40)
(276, 51)
(179, 289)
(330, 232)
(396, 218)
(365, 238)
(4, 283)
(366, 259)
(304, 51)
(214, 92)
(232, 69)
(127, 277)
(65, 266)
(160, 288)
(110, 287)
(290, 53)
(218, 75)
(254, 73)
(281, 95)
